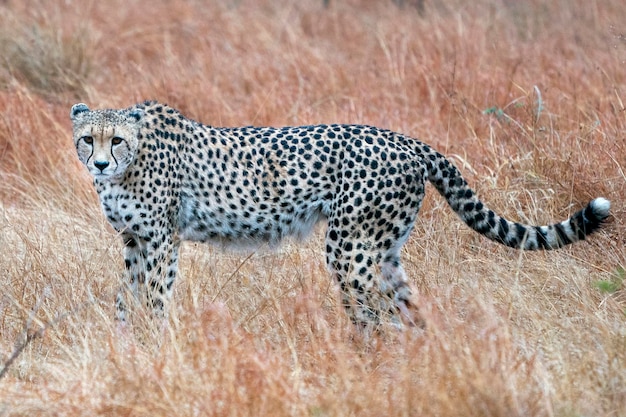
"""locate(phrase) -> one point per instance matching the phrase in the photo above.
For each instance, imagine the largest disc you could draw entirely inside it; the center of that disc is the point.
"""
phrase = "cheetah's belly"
(206, 221)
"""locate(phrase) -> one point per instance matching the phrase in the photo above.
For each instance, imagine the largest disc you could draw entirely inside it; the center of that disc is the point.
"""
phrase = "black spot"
(562, 235)
(542, 241)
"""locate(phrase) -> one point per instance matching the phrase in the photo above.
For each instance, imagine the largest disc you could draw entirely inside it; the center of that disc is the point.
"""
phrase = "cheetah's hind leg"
(394, 283)
(374, 287)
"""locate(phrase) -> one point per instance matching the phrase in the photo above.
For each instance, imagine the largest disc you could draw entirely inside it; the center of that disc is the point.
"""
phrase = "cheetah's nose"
(101, 165)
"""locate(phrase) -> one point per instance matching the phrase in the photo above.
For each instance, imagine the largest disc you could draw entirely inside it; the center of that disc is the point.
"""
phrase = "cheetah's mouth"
(101, 175)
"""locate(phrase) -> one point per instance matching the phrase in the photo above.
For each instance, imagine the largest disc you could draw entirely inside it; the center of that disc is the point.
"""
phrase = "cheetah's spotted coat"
(163, 179)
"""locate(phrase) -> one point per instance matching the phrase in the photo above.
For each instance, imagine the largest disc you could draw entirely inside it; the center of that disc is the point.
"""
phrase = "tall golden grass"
(527, 98)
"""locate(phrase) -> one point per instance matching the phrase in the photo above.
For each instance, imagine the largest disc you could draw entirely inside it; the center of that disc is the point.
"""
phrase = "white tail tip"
(600, 207)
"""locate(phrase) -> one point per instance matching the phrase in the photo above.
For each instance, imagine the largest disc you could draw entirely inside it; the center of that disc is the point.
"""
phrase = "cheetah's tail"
(448, 181)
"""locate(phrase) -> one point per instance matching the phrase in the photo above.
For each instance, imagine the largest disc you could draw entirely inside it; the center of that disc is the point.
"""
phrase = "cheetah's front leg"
(150, 272)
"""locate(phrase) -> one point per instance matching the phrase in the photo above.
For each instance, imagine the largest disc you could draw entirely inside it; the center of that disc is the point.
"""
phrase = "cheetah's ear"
(136, 114)
(78, 109)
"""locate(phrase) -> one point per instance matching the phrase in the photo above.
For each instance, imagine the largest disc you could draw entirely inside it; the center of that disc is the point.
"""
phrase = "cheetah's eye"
(88, 140)
(116, 140)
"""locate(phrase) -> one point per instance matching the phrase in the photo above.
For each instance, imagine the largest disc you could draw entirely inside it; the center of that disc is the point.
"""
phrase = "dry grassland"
(526, 97)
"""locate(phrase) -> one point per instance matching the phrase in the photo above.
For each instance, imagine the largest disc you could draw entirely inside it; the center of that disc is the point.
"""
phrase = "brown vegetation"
(527, 98)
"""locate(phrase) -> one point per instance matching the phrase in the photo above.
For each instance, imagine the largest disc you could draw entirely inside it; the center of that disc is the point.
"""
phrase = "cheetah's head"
(106, 140)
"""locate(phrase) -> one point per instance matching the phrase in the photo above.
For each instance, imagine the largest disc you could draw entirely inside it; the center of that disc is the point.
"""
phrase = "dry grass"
(526, 97)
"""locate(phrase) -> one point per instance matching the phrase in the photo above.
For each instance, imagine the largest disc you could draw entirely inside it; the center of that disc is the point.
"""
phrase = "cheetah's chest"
(122, 210)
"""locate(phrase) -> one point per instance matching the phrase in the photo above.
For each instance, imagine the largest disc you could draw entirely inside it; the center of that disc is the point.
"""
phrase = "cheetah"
(163, 178)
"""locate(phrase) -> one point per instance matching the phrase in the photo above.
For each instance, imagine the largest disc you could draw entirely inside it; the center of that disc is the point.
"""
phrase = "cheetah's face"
(106, 140)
